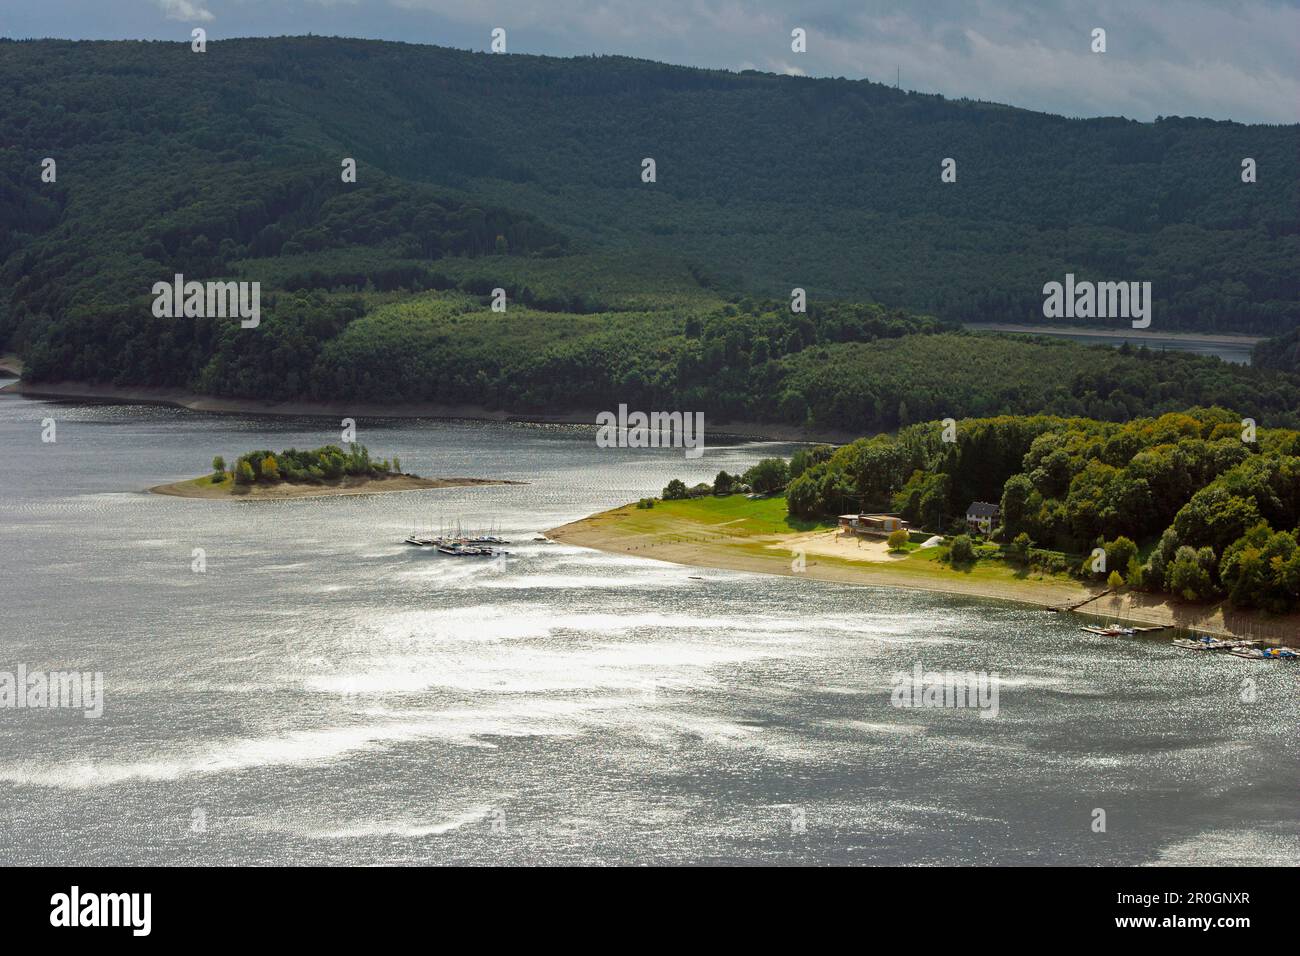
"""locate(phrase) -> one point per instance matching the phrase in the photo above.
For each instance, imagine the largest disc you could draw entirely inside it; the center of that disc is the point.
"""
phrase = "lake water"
(326, 694)
(1236, 352)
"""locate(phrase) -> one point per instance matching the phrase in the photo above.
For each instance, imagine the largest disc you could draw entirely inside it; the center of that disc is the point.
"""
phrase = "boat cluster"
(1238, 647)
(461, 545)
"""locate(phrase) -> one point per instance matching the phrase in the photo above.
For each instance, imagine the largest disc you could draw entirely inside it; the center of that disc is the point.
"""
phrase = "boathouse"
(871, 524)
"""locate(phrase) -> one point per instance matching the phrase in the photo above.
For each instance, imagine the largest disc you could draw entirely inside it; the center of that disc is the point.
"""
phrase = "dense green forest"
(1279, 352)
(838, 369)
(478, 171)
(327, 463)
(1182, 503)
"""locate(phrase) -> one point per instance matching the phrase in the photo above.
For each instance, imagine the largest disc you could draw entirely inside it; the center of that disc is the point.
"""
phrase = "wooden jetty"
(1078, 604)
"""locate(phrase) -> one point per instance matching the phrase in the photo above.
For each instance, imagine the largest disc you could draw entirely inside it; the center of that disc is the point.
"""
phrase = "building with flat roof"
(871, 524)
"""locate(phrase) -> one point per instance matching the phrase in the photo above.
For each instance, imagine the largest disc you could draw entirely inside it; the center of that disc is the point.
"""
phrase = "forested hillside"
(479, 171)
(1180, 503)
(1280, 352)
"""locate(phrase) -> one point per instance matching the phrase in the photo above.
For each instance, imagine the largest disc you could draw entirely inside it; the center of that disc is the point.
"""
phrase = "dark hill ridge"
(775, 181)
(524, 172)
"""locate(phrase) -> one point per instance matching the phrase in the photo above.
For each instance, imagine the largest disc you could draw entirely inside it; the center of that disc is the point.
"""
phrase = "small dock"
(1078, 604)
(1118, 630)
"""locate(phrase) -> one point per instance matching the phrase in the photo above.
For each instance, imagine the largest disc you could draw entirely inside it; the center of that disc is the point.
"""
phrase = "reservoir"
(323, 693)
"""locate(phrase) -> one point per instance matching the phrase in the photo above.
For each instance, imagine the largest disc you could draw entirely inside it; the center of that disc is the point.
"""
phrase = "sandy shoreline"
(709, 546)
(203, 488)
(771, 555)
(73, 391)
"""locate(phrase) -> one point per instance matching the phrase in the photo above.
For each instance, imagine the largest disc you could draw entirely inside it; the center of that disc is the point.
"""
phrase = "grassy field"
(739, 515)
(207, 486)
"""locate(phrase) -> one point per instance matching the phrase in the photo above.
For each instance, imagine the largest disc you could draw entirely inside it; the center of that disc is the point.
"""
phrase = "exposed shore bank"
(227, 490)
(1208, 338)
(74, 391)
(694, 536)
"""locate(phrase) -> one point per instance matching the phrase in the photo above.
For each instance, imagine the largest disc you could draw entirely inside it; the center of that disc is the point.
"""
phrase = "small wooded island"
(328, 470)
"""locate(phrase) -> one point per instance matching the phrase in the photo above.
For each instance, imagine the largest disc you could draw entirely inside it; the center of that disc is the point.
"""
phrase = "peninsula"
(1189, 519)
(744, 534)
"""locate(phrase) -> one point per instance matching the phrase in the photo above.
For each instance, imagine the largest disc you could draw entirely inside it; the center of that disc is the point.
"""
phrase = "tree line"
(319, 465)
(1197, 504)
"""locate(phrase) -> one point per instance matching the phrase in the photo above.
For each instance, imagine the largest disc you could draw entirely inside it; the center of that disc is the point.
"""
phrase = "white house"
(982, 516)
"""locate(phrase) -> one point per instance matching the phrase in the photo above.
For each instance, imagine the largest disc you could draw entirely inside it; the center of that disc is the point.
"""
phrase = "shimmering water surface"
(327, 694)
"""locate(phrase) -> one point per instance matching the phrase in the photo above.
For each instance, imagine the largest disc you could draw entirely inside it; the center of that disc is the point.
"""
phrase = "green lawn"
(225, 484)
(742, 515)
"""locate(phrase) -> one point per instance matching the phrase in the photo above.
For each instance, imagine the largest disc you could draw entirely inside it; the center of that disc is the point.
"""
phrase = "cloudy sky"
(1227, 59)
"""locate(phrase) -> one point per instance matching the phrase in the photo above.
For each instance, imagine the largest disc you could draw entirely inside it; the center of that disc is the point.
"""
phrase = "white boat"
(1265, 653)
(461, 550)
(1112, 630)
(1207, 643)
